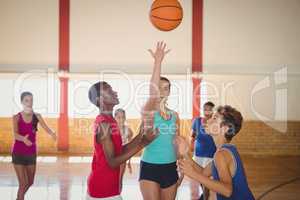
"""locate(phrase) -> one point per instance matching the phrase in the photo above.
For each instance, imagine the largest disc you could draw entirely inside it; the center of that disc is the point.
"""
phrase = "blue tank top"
(240, 189)
(204, 143)
(161, 150)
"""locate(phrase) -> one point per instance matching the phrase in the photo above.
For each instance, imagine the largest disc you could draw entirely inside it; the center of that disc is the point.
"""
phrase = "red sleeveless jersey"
(103, 180)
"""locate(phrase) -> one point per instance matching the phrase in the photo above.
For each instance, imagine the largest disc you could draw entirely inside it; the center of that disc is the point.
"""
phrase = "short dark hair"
(231, 118)
(162, 78)
(209, 103)
(220, 109)
(94, 92)
(120, 110)
(24, 94)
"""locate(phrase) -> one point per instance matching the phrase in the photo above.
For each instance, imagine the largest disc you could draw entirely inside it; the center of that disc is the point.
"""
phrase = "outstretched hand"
(160, 51)
(148, 134)
(187, 167)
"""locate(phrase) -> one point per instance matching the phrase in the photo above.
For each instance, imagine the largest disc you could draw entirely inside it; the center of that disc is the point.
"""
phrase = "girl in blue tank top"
(161, 150)
(229, 178)
(158, 170)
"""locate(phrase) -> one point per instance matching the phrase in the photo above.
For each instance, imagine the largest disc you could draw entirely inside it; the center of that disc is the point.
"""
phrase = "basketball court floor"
(65, 177)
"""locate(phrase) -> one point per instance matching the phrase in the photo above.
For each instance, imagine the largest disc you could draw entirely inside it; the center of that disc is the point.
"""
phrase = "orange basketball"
(166, 15)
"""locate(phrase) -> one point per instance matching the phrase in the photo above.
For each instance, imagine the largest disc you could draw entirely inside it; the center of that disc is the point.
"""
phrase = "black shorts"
(164, 174)
(23, 159)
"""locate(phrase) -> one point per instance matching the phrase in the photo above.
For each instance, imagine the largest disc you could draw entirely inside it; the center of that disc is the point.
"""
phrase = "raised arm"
(158, 56)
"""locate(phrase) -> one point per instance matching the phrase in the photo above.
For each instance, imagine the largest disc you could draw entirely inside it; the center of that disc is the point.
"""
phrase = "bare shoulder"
(174, 112)
(103, 131)
(16, 117)
(222, 156)
(38, 115)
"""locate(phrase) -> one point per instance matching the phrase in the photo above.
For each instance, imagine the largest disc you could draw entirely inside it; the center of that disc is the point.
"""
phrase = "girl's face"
(27, 102)
(120, 118)
(164, 88)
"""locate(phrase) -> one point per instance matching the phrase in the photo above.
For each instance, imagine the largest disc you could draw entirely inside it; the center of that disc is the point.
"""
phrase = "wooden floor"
(65, 178)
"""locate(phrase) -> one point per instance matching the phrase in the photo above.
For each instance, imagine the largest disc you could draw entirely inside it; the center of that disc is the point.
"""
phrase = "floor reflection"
(64, 178)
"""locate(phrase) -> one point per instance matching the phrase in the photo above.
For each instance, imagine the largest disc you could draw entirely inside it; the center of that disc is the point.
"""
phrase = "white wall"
(43, 86)
(266, 97)
(245, 42)
(240, 36)
(132, 92)
(257, 36)
(116, 35)
(28, 35)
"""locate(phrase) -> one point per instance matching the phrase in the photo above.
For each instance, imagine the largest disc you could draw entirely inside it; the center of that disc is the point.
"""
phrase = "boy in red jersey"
(109, 154)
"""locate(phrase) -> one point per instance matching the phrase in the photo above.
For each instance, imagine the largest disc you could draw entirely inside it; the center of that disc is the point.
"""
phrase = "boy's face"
(208, 111)
(108, 96)
(215, 127)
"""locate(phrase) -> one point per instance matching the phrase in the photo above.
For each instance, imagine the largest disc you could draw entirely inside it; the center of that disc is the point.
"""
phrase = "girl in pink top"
(24, 149)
